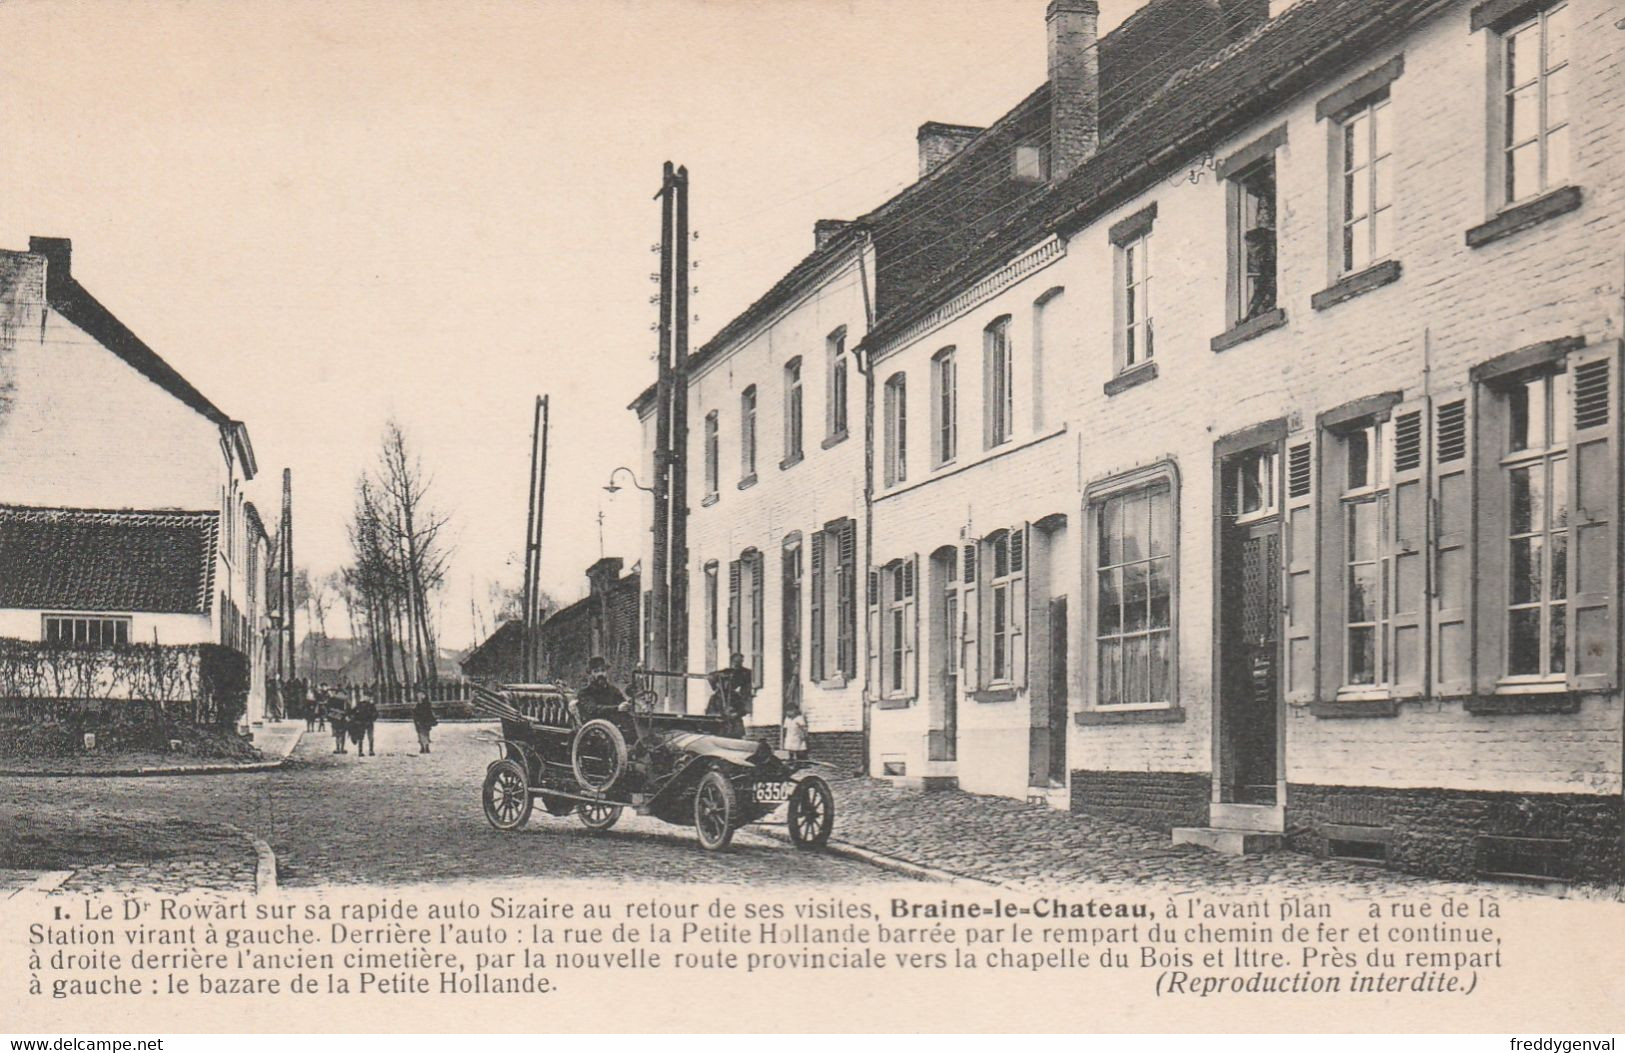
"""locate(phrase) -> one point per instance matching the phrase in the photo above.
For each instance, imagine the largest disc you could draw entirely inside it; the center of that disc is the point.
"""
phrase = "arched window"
(944, 406)
(998, 383)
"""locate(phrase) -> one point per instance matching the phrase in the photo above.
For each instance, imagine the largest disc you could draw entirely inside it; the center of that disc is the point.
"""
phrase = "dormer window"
(1031, 163)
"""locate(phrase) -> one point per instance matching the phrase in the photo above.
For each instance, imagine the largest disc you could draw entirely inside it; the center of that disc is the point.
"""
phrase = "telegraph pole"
(285, 645)
(677, 624)
(530, 658)
(660, 595)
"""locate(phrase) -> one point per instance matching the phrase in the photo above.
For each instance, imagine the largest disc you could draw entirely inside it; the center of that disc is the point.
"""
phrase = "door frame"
(1271, 434)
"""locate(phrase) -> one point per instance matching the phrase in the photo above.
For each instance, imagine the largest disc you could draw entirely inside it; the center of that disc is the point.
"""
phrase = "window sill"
(1252, 327)
(834, 440)
(893, 703)
(835, 684)
(994, 694)
(709, 499)
(1513, 703)
(1521, 217)
(1099, 717)
(1133, 376)
(1356, 284)
(748, 481)
(791, 461)
(1354, 708)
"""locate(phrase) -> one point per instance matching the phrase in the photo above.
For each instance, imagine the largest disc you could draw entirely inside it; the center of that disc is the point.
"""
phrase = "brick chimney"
(58, 253)
(1074, 84)
(939, 141)
(603, 574)
(825, 229)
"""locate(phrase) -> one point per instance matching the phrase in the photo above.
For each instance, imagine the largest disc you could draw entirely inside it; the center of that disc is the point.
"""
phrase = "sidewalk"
(275, 741)
(1027, 846)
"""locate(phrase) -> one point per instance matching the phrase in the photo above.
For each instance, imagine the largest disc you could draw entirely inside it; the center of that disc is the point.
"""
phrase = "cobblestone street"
(395, 818)
(402, 818)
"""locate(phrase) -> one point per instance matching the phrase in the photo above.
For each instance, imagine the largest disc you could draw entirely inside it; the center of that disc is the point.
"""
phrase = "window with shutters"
(747, 436)
(998, 385)
(896, 627)
(792, 413)
(1548, 495)
(944, 407)
(711, 454)
(711, 598)
(1004, 608)
(1373, 553)
(832, 604)
(896, 429)
(1133, 610)
(751, 637)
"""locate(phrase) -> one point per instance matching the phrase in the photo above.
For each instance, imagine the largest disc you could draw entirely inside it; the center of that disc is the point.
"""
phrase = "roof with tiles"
(1196, 109)
(933, 224)
(76, 559)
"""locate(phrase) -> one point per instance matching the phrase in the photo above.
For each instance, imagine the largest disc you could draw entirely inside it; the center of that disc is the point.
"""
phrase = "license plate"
(773, 792)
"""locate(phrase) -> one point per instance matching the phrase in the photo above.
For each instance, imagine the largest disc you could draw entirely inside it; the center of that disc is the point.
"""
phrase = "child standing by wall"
(795, 732)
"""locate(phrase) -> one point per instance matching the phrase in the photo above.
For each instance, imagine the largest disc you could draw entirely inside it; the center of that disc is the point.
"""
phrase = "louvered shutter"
(847, 630)
(1299, 587)
(1594, 500)
(911, 627)
(970, 655)
(1451, 653)
(1407, 552)
(815, 615)
(874, 645)
(733, 610)
(1018, 605)
(758, 628)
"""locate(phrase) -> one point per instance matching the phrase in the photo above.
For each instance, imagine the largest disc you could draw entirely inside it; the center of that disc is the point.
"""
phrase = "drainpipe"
(863, 356)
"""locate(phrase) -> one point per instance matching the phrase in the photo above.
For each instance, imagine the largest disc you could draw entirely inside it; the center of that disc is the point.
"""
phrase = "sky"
(327, 214)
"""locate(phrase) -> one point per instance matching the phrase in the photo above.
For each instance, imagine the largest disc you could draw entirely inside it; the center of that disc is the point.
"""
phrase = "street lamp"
(612, 488)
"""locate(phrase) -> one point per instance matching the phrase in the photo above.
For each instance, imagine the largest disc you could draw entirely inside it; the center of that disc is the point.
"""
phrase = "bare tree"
(399, 560)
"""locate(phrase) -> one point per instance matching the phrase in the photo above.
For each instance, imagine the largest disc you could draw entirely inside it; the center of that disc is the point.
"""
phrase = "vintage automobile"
(675, 767)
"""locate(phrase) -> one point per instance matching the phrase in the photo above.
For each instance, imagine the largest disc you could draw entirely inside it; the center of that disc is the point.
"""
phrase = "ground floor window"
(80, 630)
(1134, 590)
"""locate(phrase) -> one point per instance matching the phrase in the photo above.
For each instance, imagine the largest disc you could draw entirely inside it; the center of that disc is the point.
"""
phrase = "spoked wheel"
(506, 796)
(811, 813)
(599, 816)
(598, 755)
(716, 810)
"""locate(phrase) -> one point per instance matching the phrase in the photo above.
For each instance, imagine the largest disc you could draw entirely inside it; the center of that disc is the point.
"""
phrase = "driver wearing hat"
(600, 697)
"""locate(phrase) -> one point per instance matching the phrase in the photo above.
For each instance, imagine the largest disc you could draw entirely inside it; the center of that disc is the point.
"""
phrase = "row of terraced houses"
(1225, 439)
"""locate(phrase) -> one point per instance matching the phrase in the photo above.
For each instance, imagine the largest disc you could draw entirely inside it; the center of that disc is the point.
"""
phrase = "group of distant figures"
(348, 712)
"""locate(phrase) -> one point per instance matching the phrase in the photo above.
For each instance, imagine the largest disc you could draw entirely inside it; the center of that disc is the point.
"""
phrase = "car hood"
(737, 751)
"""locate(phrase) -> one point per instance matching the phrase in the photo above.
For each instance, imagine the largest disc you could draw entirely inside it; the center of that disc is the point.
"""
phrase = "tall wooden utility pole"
(532, 652)
(286, 654)
(677, 618)
(660, 595)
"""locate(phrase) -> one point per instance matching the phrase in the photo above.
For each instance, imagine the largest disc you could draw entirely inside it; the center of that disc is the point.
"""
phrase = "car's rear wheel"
(811, 813)
(506, 796)
(716, 810)
(598, 816)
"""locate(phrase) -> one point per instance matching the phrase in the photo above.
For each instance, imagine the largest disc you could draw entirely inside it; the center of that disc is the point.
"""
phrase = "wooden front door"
(1249, 660)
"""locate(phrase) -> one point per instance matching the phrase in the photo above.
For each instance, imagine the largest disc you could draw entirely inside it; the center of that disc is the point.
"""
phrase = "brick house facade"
(1331, 465)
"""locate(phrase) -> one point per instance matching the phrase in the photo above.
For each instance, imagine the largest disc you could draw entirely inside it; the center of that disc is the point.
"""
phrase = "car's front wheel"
(811, 813)
(506, 796)
(716, 810)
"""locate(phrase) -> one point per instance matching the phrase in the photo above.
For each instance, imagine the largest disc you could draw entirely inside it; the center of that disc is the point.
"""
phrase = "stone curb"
(264, 861)
(133, 773)
(882, 861)
(49, 881)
